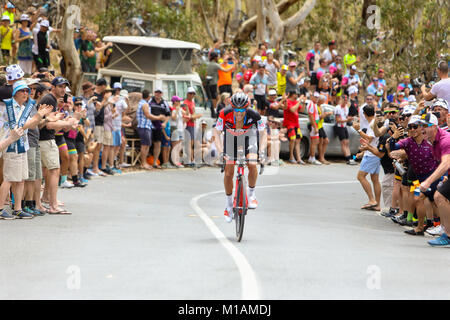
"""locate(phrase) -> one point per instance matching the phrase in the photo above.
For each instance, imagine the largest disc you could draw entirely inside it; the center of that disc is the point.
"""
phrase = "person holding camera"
(440, 89)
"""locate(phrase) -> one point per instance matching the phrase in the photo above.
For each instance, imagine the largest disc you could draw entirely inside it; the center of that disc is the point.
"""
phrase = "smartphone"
(66, 97)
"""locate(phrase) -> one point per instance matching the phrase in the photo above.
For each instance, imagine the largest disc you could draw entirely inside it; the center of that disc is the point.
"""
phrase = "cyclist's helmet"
(440, 103)
(240, 100)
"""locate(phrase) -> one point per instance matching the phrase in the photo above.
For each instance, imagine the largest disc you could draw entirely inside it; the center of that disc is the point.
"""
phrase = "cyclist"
(239, 117)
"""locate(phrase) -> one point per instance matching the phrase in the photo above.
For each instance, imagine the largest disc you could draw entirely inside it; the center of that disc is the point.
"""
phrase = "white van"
(140, 63)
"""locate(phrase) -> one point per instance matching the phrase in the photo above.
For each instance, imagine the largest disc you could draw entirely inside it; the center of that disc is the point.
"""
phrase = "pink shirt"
(441, 145)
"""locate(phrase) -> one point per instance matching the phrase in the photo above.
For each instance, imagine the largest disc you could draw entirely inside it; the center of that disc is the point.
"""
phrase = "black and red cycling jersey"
(227, 120)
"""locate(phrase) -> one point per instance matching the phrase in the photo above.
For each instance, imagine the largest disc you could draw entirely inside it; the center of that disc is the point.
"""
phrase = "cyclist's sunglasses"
(239, 109)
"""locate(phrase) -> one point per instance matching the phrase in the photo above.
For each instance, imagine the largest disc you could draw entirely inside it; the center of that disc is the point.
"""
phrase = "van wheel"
(304, 148)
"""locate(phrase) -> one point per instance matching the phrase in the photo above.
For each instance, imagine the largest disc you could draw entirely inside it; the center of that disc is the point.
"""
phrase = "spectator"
(178, 117)
(192, 116)
(363, 121)
(312, 58)
(314, 118)
(330, 53)
(159, 107)
(273, 106)
(88, 56)
(42, 57)
(144, 126)
(322, 69)
(343, 117)
(24, 37)
(224, 81)
(212, 72)
(271, 68)
(6, 33)
(281, 80)
(120, 123)
(166, 146)
(273, 143)
(223, 102)
(370, 163)
(441, 89)
(290, 121)
(323, 138)
(88, 99)
(108, 142)
(15, 113)
(353, 110)
(259, 81)
(405, 84)
(292, 78)
(350, 59)
(100, 101)
(351, 79)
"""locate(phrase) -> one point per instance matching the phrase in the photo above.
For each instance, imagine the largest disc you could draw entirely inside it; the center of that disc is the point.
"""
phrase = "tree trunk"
(248, 26)
(67, 46)
(205, 20)
(261, 21)
(234, 23)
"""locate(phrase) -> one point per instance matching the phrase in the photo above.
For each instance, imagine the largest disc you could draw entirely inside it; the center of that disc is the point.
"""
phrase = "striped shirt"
(142, 120)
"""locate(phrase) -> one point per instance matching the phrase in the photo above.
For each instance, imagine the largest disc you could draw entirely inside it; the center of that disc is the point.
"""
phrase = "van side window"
(166, 54)
(187, 55)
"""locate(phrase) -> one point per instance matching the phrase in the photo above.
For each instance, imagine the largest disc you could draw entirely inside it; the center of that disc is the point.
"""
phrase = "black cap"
(101, 82)
(59, 80)
(76, 99)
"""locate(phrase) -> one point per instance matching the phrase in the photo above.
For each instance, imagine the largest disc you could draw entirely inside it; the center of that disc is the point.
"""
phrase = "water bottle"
(399, 167)
(417, 192)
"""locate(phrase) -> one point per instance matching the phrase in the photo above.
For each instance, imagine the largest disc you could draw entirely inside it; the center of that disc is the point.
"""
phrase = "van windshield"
(134, 85)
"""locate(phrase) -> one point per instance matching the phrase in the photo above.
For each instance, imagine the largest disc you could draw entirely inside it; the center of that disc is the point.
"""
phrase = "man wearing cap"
(373, 87)
(271, 67)
(312, 58)
(292, 77)
(54, 122)
(351, 79)
(350, 58)
(191, 115)
(272, 106)
(24, 37)
(440, 109)
(440, 141)
(14, 113)
(281, 80)
(6, 34)
(42, 58)
(88, 99)
(224, 81)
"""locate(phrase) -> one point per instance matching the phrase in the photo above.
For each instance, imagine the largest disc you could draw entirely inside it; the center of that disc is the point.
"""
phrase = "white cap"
(415, 119)
(316, 94)
(412, 98)
(123, 93)
(5, 17)
(257, 58)
(190, 90)
(31, 81)
(352, 90)
(269, 51)
(429, 119)
(24, 17)
(353, 67)
(272, 92)
(117, 85)
(159, 89)
(45, 23)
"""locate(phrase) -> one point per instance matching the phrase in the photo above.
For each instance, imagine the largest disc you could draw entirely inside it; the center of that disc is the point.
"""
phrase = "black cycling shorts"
(211, 91)
(342, 133)
(157, 135)
(322, 133)
(409, 177)
(444, 189)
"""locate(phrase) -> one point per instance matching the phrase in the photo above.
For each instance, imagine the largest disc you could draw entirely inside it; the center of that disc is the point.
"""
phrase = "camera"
(66, 97)
(416, 82)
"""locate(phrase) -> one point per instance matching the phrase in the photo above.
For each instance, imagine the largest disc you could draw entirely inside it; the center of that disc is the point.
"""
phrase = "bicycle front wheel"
(240, 209)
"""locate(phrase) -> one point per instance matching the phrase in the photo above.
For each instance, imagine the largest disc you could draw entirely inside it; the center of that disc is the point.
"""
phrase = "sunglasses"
(413, 126)
(391, 112)
(239, 109)
(78, 104)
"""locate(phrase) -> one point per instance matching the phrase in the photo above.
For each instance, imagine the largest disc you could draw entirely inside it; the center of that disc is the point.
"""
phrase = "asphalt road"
(161, 235)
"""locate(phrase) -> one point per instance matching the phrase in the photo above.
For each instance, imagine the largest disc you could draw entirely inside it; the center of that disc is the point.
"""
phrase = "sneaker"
(67, 184)
(86, 177)
(80, 184)
(351, 162)
(228, 215)
(6, 216)
(252, 203)
(115, 170)
(22, 215)
(124, 165)
(165, 166)
(315, 161)
(28, 210)
(91, 173)
(37, 213)
(435, 231)
(107, 171)
(101, 173)
(442, 241)
(83, 180)
(179, 165)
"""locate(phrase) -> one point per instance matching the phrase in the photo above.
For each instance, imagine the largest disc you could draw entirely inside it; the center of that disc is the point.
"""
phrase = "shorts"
(107, 138)
(444, 189)
(60, 141)
(211, 91)
(226, 88)
(6, 53)
(322, 133)
(231, 143)
(312, 135)
(49, 154)
(409, 177)
(177, 135)
(15, 166)
(80, 146)
(117, 138)
(99, 132)
(157, 135)
(71, 145)
(164, 142)
(342, 133)
(34, 164)
(370, 164)
(145, 135)
(433, 186)
(260, 100)
(191, 132)
(294, 133)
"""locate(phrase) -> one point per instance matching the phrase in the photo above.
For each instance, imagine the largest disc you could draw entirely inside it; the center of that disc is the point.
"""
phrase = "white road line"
(249, 283)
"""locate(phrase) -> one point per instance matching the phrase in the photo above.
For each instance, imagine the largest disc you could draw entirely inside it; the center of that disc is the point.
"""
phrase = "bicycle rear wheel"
(240, 209)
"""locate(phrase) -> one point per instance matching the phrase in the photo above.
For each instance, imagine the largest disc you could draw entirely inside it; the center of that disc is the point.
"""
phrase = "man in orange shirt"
(225, 77)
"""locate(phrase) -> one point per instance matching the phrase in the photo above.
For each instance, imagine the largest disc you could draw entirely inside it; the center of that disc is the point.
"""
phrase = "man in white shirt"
(440, 89)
